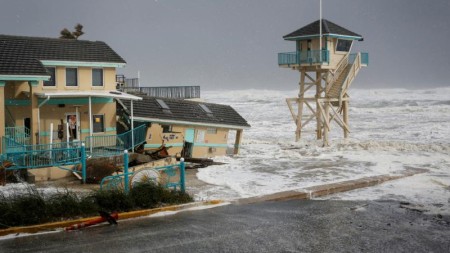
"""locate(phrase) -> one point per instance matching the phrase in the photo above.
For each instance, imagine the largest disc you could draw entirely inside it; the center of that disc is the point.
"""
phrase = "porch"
(65, 155)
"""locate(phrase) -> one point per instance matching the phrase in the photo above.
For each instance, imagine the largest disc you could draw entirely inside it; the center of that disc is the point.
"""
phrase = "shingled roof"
(20, 55)
(187, 111)
(328, 28)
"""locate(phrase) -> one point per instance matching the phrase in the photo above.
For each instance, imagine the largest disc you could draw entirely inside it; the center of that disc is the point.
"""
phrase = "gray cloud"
(233, 44)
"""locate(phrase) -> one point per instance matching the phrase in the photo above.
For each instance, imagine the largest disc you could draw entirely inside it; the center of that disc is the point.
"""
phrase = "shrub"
(112, 200)
(32, 208)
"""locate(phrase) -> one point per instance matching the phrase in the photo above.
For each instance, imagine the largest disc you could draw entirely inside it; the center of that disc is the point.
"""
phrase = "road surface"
(285, 226)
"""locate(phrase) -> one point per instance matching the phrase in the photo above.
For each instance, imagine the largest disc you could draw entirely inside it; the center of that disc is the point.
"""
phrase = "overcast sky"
(232, 44)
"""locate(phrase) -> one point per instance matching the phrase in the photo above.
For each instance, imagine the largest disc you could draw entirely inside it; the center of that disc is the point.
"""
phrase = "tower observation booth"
(327, 69)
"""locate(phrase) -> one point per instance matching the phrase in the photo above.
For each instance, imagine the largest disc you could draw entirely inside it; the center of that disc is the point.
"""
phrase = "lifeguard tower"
(325, 63)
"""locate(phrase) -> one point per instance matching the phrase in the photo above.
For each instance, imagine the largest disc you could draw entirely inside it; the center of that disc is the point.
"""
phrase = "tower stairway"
(337, 87)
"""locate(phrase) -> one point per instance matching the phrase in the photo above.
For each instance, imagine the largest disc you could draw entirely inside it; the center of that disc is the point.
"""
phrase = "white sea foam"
(391, 130)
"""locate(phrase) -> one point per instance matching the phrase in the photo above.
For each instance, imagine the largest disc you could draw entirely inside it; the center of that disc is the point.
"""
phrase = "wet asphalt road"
(286, 226)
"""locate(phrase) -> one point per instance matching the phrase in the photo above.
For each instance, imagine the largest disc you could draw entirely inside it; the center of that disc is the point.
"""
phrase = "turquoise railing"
(10, 145)
(110, 145)
(365, 59)
(122, 181)
(43, 155)
(304, 57)
(19, 134)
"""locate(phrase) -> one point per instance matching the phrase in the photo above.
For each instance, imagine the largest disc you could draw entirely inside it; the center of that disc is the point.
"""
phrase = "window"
(343, 45)
(164, 107)
(162, 104)
(166, 128)
(51, 81)
(97, 77)
(200, 136)
(71, 77)
(212, 130)
(206, 109)
(299, 46)
(98, 123)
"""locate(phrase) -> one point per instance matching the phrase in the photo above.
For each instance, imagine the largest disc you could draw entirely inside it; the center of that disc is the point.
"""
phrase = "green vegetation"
(35, 208)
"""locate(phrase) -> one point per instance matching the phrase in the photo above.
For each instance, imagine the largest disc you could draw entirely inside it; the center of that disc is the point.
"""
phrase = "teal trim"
(17, 102)
(77, 101)
(43, 134)
(23, 78)
(85, 131)
(2, 83)
(211, 145)
(167, 145)
(67, 101)
(331, 35)
(109, 129)
(83, 64)
(33, 83)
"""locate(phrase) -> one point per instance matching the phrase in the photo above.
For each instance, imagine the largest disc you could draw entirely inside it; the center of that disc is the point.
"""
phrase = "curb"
(327, 189)
(122, 216)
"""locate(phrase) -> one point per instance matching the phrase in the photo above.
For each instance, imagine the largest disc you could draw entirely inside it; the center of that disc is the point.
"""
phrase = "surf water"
(391, 130)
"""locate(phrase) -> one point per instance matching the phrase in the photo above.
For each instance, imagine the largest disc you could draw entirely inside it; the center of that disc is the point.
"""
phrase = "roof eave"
(6, 77)
(83, 64)
(190, 123)
(331, 35)
(73, 94)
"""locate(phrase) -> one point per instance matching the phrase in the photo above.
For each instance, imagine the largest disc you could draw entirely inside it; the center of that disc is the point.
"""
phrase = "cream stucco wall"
(84, 80)
(19, 103)
(205, 144)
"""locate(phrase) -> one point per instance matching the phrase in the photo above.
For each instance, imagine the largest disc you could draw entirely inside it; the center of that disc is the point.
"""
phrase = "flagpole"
(320, 28)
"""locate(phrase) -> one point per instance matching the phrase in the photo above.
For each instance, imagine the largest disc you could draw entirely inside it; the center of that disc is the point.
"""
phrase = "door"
(73, 120)
(27, 123)
(189, 135)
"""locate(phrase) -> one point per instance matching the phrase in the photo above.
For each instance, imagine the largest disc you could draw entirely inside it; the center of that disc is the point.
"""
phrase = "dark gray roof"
(328, 27)
(185, 110)
(20, 55)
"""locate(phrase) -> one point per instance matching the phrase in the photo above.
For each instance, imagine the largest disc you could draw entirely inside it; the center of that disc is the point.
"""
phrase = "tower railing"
(304, 57)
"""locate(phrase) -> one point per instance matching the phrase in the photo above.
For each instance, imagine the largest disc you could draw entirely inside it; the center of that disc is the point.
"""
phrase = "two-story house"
(57, 90)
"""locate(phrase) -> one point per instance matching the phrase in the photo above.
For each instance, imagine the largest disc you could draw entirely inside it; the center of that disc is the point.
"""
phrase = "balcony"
(306, 57)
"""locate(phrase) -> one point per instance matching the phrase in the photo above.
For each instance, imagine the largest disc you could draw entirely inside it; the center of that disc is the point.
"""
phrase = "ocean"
(391, 130)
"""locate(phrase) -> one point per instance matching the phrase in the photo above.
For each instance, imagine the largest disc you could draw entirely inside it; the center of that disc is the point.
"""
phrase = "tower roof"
(328, 29)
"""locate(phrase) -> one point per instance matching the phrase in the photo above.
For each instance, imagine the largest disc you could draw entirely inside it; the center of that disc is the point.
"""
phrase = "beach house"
(57, 95)
(188, 128)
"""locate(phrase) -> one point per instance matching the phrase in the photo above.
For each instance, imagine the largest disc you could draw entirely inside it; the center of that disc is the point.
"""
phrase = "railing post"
(182, 175)
(83, 162)
(125, 171)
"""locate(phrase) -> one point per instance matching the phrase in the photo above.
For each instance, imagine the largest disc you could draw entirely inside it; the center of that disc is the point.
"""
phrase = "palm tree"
(66, 34)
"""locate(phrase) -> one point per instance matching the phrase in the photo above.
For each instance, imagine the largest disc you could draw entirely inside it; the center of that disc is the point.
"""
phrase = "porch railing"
(304, 57)
(110, 145)
(42, 155)
(19, 134)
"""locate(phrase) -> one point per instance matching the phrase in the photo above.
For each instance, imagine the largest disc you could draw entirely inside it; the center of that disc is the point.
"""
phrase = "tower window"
(343, 45)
